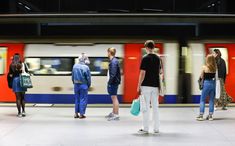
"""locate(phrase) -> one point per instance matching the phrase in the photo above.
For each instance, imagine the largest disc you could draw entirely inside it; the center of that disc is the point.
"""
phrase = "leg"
(115, 104)
(83, 101)
(147, 94)
(202, 104)
(226, 98)
(77, 98)
(23, 101)
(18, 101)
(211, 102)
(203, 98)
(155, 106)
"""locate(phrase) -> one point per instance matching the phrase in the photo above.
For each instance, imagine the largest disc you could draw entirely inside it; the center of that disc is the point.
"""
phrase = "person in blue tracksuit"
(81, 78)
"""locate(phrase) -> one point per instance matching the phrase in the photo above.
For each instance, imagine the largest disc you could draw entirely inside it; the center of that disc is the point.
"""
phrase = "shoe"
(82, 117)
(210, 118)
(141, 131)
(156, 132)
(215, 108)
(224, 108)
(23, 114)
(19, 115)
(114, 118)
(76, 116)
(109, 115)
(200, 118)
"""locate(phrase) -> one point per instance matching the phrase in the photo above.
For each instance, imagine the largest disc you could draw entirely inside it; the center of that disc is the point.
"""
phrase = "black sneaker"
(19, 115)
(76, 116)
(23, 114)
(210, 117)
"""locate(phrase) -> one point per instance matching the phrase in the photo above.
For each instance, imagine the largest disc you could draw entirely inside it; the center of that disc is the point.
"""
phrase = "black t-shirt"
(151, 64)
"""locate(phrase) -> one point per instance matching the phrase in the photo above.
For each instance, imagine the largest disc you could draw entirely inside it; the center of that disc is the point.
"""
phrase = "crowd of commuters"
(148, 85)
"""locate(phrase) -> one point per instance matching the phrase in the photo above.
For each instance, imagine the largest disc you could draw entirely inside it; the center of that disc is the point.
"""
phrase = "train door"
(6, 52)
(228, 54)
(197, 61)
(133, 55)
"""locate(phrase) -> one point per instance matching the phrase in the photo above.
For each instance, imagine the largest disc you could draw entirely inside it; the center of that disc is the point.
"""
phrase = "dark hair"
(16, 58)
(18, 66)
(217, 51)
(149, 44)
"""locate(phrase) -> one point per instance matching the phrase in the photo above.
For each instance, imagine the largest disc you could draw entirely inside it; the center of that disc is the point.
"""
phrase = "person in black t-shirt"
(149, 86)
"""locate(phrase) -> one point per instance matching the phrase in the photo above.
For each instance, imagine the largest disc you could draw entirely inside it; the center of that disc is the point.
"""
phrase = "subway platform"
(55, 126)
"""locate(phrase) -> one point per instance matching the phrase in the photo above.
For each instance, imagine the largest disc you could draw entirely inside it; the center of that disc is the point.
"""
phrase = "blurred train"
(51, 66)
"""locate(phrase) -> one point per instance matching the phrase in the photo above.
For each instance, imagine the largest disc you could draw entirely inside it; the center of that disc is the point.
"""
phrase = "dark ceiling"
(120, 6)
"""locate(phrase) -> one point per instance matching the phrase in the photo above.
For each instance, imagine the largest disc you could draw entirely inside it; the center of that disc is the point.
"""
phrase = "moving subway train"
(51, 65)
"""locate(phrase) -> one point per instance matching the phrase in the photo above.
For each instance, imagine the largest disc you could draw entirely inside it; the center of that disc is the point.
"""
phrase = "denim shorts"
(112, 89)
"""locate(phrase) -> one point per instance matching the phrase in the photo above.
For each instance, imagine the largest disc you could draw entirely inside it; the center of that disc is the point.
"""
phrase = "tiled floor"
(50, 126)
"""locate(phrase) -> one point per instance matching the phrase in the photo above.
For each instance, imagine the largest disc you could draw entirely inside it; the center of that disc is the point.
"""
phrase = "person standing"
(148, 85)
(15, 70)
(208, 75)
(81, 78)
(114, 79)
(224, 99)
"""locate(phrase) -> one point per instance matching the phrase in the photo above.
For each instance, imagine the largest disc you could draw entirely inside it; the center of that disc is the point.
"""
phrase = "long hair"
(16, 62)
(210, 63)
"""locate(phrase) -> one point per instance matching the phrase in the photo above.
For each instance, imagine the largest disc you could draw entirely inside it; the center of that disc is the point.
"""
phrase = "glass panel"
(50, 66)
(3, 60)
(224, 53)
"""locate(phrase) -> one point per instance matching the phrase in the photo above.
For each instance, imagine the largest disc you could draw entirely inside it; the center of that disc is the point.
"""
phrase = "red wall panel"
(230, 79)
(6, 94)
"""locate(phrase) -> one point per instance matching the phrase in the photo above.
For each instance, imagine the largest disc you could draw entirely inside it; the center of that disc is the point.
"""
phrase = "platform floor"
(51, 126)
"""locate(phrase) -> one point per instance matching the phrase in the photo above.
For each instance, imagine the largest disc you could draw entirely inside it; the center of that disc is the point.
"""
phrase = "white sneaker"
(141, 131)
(109, 115)
(114, 118)
(215, 108)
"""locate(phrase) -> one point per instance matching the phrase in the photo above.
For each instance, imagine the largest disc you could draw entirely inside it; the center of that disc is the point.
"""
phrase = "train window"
(99, 65)
(3, 62)
(50, 66)
(224, 53)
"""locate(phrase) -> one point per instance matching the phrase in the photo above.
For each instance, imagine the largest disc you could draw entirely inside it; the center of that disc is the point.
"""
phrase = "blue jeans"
(208, 90)
(81, 98)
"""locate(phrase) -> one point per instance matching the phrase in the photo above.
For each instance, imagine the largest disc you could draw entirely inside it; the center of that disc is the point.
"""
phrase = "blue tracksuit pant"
(81, 98)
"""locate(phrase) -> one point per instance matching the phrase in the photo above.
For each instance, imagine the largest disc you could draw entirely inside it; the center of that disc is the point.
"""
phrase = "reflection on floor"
(50, 126)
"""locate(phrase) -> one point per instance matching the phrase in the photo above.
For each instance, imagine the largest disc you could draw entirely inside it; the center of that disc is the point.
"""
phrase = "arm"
(73, 76)
(112, 72)
(161, 66)
(26, 68)
(202, 72)
(224, 69)
(141, 79)
(10, 71)
(88, 77)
